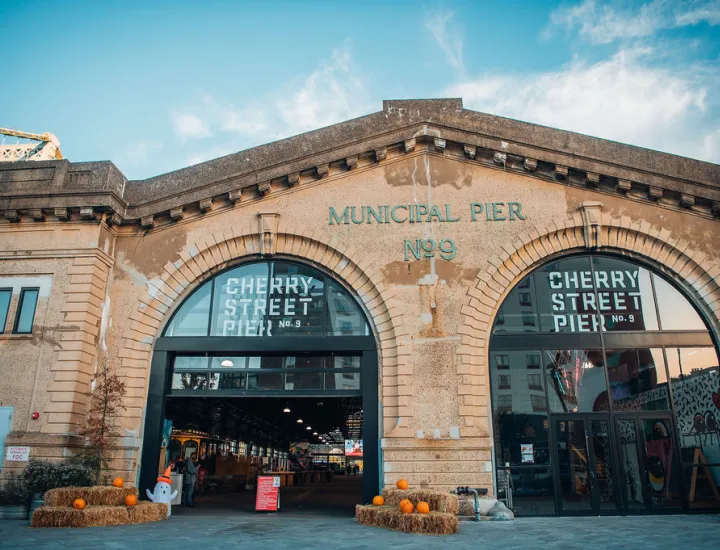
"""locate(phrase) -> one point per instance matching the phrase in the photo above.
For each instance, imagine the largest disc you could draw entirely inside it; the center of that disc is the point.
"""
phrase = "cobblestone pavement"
(275, 532)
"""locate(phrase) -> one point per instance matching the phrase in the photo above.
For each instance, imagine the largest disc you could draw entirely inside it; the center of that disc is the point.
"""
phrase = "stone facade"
(115, 258)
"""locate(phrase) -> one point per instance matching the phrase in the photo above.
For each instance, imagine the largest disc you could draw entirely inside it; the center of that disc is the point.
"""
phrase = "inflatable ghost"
(163, 490)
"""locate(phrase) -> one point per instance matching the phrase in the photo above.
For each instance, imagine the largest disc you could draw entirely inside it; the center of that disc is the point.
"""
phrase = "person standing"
(191, 469)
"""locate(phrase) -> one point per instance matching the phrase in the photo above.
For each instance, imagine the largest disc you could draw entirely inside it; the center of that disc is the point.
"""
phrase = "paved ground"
(276, 532)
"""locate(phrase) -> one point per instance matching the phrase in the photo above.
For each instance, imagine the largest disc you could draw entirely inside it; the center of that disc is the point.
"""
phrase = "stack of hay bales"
(105, 506)
(442, 519)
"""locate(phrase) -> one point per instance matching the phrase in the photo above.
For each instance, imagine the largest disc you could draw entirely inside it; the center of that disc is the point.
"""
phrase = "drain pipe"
(474, 493)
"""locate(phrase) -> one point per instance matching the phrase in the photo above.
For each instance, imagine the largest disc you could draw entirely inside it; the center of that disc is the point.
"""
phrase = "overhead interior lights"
(286, 410)
(227, 363)
(314, 433)
(308, 428)
(299, 420)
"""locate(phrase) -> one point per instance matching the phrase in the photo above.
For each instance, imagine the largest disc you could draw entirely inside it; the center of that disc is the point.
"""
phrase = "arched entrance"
(246, 356)
(604, 385)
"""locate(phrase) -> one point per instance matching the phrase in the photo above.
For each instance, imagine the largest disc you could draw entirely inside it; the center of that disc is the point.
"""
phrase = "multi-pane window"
(504, 403)
(525, 299)
(504, 382)
(538, 402)
(532, 361)
(502, 361)
(534, 382)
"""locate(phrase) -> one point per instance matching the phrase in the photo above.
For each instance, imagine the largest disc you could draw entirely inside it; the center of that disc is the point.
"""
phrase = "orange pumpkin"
(79, 503)
(378, 501)
(130, 500)
(423, 508)
(402, 484)
(404, 501)
(118, 482)
(407, 508)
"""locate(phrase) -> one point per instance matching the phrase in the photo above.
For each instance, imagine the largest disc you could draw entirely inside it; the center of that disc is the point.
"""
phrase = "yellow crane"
(45, 147)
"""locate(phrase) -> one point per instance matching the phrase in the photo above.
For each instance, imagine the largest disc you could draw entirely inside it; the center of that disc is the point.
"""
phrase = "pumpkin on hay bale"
(438, 501)
(434, 523)
(93, 496)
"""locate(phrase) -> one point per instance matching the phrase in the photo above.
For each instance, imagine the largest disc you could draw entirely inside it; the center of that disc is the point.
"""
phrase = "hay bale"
(145, 512)
(94, 496)
(390, 517)
(97, 516)
(439, 501)
(48, 516)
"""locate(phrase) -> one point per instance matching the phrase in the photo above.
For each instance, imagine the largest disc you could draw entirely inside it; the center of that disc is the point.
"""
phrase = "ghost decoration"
(163, 491)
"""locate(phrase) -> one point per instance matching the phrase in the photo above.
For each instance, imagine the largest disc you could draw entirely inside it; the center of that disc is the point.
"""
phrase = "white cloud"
(188, 125)
(449, 39)
(605, 23)
(623, 98)
(332, 93)
(140, 153)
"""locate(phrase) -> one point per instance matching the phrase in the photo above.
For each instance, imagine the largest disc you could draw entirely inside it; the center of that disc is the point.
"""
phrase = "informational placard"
(526, 453)
(17, 454)
(353, 447)
(267, 498)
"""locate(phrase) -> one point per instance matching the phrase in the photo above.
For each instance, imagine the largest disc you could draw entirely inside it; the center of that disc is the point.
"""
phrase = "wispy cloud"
(140, 153)
(331, 93)
(605, 23)
(624, 98)
(448, 37)
(188, 126)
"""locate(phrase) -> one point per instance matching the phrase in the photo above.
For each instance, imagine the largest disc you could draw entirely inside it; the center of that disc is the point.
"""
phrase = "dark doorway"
(312, 444)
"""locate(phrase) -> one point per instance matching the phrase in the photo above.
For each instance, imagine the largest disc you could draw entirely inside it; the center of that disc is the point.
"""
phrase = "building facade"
(527, 304)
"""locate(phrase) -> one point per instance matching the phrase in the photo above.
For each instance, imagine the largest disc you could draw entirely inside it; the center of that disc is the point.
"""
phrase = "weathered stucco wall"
(431, 316)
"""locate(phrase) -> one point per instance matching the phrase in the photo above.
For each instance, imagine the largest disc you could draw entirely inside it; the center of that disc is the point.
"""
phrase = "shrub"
(42, 476)
(14, 490)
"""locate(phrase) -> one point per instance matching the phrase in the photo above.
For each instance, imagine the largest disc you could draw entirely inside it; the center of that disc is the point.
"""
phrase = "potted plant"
(42, 476)
(14, 497)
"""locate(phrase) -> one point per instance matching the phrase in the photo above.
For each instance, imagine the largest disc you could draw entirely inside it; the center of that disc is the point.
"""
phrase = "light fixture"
(308, 428)
(227, 363)
(299, 420)
(314, 433)
(286, 409)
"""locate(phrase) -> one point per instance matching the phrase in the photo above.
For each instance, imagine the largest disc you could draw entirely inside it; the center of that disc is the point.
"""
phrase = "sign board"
(526, 453)
(267, 498)
(18, 454)
(353, 447)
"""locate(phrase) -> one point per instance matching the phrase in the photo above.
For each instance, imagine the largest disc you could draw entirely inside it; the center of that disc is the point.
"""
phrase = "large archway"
(603, 380)
(266, 331)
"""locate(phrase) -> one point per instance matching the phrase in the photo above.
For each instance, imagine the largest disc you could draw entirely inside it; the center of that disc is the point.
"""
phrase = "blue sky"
(156, 86)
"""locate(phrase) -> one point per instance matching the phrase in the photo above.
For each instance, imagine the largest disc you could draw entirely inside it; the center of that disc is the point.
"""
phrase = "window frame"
(18, 310)
(7, 312)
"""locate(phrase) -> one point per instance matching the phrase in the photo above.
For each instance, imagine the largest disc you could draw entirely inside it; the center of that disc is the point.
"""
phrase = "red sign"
(267, 498)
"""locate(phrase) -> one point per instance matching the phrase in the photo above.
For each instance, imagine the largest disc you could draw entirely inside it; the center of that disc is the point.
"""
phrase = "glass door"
(585, 464)
(650, 475)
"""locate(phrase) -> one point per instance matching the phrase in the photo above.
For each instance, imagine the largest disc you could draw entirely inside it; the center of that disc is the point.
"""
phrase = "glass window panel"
(228, 362)
(232, 381)
(565, 296)
(342, 381)
(344, 314)
(533, 490)
(343, 362)
(520, 411)
(695, 386)
(303, 381)
(240, 302)
(190, 362)
(268, 381)
(676, 312)
(309, 362)
(518, 312)
(193, 316)
(189, 381)
(576, 380)
(26, 311)
(624, 295)
(638, 380)
(300, 291)
(5, 296)
(662, 474)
